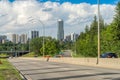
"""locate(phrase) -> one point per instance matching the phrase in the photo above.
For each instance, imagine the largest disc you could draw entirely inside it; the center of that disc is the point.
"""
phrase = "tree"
(117, 15)
(116, 22)
(51, 46)
(36, 44)
(86, 29)
(111, 34)
(93, 27)
(1, 48)
(88, 40)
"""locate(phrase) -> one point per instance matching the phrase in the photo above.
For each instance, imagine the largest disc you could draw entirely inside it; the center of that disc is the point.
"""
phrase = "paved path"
(34, 69)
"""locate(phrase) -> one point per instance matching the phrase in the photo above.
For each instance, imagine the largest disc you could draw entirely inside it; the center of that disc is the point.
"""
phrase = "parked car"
(109, 55)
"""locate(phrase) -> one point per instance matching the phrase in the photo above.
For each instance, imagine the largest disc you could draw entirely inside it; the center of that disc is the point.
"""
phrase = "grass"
(3, 55)
(32, 54)
(8, 72)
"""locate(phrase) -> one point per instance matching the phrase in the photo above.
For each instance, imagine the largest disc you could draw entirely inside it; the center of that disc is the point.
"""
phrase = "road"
(34, 69)
(67, 53)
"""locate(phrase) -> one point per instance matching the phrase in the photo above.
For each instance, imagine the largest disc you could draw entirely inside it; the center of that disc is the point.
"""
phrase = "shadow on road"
(80, 76)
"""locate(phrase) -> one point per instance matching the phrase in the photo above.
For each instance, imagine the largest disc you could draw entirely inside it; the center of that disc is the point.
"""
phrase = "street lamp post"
(43, 33)
(75, 45)
(43, 37)
(98, 32)
(29, 40)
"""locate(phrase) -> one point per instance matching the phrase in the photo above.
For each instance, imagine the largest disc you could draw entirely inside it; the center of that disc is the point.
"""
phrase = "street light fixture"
(98, 57)
(43, 33)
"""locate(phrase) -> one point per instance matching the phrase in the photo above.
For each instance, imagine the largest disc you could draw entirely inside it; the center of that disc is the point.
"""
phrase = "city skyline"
(14, 15)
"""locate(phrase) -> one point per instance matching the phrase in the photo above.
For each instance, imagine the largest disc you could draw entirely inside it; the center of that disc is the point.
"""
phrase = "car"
(109, 55)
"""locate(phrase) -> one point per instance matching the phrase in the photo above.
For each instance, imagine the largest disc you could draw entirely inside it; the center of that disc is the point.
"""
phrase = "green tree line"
(109, 36)
(51, 46)
(10, 46)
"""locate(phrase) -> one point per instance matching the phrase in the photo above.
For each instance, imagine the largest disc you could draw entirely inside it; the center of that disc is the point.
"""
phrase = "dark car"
(109, 55)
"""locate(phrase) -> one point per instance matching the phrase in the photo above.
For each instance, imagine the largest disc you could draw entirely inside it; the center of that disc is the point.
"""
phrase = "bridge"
(15, 53)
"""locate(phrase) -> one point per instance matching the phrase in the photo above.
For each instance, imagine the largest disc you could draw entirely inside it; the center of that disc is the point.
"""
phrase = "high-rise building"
(60, 34)
(72, 37)
(3, 39)
(34, 34)
(68, 38)
(23, 38)
(15, 38)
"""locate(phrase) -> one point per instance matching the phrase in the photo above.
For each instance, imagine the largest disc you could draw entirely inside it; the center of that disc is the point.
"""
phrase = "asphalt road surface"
(34, 69)
(67, 53)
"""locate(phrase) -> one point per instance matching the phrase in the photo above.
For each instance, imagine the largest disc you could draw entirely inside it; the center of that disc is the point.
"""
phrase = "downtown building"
(23, 38)
(3, 39)
(15, 38)
(34, 34)
(19, 38)
(60, 33)
(72, 37)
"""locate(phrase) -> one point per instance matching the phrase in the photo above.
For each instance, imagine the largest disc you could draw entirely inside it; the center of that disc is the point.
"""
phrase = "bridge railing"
(12, 51)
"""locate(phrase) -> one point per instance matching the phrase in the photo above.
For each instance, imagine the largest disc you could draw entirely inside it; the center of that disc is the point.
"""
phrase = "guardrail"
(12, 51)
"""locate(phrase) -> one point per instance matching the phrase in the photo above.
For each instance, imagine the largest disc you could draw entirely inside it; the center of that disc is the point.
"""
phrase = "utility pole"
(98, 57)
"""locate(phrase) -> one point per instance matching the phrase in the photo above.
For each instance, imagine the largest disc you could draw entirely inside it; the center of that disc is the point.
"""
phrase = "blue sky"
(81, 1)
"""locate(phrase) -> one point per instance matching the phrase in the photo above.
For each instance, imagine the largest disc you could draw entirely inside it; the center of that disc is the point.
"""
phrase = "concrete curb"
(24, 77)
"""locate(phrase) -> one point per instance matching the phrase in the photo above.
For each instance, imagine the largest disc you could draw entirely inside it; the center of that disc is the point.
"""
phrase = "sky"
(80, 1)
(22, 16)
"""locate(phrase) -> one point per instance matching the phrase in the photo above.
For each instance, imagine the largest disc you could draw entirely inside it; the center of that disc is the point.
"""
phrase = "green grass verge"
(3, 55)
(32, 54)
(8, 72)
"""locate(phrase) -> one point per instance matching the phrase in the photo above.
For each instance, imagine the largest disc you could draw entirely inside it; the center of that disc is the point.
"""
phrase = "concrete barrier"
(103, 62)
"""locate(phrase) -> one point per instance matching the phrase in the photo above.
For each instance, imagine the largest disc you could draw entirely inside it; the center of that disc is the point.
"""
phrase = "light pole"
(98, 57)
(43, 37)
(75, 44)
(29, 40)
(43, 33)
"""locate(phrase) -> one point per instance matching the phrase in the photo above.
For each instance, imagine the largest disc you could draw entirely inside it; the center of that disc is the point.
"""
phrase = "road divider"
(103, 62)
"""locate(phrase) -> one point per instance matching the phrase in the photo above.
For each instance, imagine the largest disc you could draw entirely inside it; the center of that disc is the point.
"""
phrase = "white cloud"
(14, 17)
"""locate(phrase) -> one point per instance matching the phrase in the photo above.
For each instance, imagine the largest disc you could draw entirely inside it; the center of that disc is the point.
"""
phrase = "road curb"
(20, 73)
